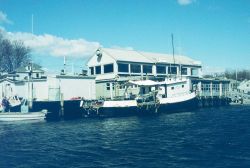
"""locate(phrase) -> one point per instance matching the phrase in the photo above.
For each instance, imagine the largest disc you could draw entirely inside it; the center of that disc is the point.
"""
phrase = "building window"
(91, 69)
(147, 68)
(108, 86)
(160, 69)
(122, 67)
(194, 71)
(184, 71)
(172, 70)
(172, 88)
(37, 75)
(135, 68)
(98, 70)
(108, 68)
(121, 86)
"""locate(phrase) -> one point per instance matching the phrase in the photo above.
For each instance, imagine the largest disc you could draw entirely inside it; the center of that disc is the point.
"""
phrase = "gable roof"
(126, 55)
(35, 68)
(147, 57)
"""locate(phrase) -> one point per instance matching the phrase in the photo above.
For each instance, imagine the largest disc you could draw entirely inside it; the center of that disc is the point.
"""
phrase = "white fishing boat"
(166, 96)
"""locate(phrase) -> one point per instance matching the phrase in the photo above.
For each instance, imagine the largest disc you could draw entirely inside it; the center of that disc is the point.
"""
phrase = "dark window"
(184, 71)
(108, 68)
(37, 75)
(147, 68)
(91, 70)
(172, 88)
(108, 86)
(172, 70)
(98, 70)
(135, 68)
(161, 69)
(122, 67)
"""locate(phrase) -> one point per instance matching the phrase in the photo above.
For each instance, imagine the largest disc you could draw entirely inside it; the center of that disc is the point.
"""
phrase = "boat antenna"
(173, 46)
(172, 37)
(64, 64)
(32, 24)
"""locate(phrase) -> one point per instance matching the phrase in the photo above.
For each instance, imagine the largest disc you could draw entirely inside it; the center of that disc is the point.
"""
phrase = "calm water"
(204, 138)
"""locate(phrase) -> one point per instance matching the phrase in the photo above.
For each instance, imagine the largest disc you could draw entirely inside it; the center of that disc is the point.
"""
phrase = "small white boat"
(24, 114)
(19, 116)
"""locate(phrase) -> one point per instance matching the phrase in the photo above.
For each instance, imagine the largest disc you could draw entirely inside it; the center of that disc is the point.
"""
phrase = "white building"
(244, 87)
(112, 66)
(34, 84)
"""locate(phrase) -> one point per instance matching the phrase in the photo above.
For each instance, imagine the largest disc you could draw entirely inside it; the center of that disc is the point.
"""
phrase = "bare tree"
(13, 54)
(241, 74)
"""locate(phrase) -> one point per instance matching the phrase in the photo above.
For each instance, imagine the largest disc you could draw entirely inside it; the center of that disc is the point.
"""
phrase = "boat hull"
(18, 116)
(131, 108)
(178, 106)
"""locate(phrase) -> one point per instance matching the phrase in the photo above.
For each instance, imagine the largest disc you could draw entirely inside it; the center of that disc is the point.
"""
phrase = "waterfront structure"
(210, 87)
(38, 86)
(114, 67)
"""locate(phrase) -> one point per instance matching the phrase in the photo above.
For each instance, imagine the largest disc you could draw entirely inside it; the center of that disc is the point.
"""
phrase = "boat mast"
(173, 52)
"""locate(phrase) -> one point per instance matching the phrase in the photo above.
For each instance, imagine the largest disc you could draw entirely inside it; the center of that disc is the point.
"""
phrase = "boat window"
(122, 67)
(184, 71)
(108, 86)
(108, 68)
(135, 68)
(98, 70)
(172, 70)
(160, 69)
(91, 69)
(147, 68)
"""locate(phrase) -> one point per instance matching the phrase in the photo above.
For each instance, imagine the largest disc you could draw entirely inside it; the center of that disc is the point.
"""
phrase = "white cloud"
(185, 2)
(4, 19)
(50, 45)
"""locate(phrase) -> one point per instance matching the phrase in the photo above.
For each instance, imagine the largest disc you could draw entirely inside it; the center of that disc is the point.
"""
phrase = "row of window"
(121, 87)
(160, 69)
(215, 87)
(108, 68)
(136, 68)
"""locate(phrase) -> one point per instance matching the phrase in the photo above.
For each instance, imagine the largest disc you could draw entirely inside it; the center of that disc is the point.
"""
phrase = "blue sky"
(216, 32)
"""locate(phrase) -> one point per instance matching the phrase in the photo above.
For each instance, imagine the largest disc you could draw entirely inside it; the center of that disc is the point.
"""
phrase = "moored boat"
(22, 114)
(154, 97)
(19, 116)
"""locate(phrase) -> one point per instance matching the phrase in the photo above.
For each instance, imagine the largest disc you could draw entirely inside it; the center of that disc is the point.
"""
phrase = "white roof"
(144, 83)
(126, 55)
(147, 57)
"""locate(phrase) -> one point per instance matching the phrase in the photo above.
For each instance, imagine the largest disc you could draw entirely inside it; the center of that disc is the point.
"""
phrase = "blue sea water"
(211, 137)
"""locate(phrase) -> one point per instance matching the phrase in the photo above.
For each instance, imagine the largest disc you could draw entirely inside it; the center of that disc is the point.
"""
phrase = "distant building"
(112, 67)
(37, 72)
(233, 85)
(244, 87)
